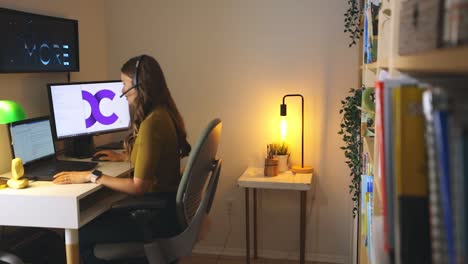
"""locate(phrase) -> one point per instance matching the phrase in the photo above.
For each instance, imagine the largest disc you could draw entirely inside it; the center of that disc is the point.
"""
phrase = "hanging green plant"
(352, 21)
(350, 132)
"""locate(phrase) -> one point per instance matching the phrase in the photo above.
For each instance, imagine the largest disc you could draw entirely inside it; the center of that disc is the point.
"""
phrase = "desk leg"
(255, 222)
(302, 230)
(71, 244)
(247, 233)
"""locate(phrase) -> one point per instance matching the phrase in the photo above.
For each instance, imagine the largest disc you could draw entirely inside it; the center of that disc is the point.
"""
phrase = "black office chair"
(31, 245)
(9, 258)
(194, 199)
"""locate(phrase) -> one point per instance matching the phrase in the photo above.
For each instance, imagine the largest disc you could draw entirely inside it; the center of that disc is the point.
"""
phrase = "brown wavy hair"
(152, 93)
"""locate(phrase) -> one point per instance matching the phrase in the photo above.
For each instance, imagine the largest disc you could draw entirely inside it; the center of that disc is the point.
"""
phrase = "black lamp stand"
(283, 112)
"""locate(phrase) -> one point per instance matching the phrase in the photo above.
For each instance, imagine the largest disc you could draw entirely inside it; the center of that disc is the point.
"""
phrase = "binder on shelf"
(438, 239)
(459, 174)
(388, 152)
(412, 221)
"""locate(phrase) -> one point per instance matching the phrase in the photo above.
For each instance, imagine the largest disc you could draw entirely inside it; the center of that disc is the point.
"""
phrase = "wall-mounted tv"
(37, 43)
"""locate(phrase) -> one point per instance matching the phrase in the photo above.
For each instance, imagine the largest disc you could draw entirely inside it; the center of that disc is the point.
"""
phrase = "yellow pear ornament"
(17, 171)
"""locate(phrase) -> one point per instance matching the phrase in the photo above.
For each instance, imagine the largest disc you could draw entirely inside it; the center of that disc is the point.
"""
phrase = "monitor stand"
(80, 147)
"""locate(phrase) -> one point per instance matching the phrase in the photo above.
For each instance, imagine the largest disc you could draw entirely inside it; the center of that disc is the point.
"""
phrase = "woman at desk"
(155, 144)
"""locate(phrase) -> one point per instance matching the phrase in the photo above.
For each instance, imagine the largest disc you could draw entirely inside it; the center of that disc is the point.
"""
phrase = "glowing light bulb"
(283, 128)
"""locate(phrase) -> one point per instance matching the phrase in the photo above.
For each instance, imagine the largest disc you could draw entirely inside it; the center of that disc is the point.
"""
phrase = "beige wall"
(29, 89)
(235, 60)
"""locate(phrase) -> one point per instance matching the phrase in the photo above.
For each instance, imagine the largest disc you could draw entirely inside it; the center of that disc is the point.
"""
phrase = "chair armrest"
(9, 258)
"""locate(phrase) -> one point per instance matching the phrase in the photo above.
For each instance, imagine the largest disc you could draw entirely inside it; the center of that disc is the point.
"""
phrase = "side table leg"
(302, 227)
(255, 222)
(247, 233)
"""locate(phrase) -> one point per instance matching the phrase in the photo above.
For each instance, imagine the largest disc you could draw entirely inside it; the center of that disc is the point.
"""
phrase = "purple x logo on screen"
(96, 115)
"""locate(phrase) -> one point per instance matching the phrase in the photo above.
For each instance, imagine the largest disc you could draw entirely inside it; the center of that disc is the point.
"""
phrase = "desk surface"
(45, 204)
(254, 178)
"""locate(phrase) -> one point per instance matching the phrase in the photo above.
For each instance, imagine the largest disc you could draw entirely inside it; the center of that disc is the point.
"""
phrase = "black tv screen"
(37, 43)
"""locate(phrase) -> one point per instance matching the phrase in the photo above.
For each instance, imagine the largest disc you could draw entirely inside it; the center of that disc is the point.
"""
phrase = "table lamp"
(283, 113)
(10, 111)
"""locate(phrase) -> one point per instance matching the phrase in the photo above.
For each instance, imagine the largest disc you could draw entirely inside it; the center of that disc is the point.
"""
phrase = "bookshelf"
(381, 64)
(449, 62)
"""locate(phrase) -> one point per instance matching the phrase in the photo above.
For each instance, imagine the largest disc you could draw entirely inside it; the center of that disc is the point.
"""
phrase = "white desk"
(253, 178)
(45, 204)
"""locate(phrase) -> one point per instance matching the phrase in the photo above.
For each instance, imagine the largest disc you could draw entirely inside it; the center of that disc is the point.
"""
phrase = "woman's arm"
(134, 186)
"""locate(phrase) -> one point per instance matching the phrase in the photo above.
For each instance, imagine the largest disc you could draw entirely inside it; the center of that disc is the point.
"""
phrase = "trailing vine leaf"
(350, 128)
(387, 12)
(386, 16)
(352, 22)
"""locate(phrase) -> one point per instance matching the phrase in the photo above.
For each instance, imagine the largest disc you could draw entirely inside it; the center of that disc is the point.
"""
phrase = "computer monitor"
(81, 110)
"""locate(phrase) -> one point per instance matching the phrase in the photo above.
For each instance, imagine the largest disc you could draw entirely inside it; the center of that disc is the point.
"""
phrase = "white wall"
(235, 60)
(29, 89)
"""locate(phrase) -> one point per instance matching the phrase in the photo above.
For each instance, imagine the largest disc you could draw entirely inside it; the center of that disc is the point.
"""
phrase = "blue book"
(370, 205)
(443, 155)
(438, 239)
(366, 47)
(464, 159)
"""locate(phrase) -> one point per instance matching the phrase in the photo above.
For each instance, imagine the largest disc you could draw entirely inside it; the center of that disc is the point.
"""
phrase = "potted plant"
(350, 131)
(281, 152)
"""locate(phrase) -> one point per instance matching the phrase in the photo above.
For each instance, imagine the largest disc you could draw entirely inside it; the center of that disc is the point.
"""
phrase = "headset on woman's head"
(135, 82)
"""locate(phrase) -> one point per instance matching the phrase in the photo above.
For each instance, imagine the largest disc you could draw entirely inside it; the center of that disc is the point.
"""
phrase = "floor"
(211, 259)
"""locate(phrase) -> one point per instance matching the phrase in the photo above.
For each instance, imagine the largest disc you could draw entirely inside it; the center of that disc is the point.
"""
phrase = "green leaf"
(350, 133)
(387, 12)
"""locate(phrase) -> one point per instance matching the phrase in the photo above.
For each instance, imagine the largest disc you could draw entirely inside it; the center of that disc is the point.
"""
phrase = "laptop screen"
(31, 139)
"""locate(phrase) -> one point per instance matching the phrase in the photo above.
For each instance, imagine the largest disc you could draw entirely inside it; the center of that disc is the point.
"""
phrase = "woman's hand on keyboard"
(69, 177)
(110, 155)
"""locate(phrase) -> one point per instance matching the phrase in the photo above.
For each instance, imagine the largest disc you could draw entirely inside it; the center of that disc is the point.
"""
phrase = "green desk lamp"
(10, 112)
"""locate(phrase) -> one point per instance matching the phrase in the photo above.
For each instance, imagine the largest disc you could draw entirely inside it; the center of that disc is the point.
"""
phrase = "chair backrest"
(194, 198)
(200, 165)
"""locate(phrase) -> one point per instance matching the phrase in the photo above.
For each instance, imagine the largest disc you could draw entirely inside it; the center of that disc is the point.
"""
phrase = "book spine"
(443, 161)
(438, 240)
(381, 179)
(413, 238)
(388, 156)
(464, 248)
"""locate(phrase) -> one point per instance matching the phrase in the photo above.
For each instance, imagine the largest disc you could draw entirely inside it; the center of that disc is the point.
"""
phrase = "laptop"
(32, 141)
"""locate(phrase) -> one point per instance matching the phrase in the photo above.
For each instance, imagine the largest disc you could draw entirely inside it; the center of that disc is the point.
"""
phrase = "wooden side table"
(253, 178)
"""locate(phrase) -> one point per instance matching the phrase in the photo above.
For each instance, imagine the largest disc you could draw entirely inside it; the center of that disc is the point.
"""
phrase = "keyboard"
(45, 172)
(112, 145)
(68, 165)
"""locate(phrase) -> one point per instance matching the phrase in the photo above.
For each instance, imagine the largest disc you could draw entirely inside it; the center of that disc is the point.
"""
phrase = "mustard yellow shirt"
(155, 153)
